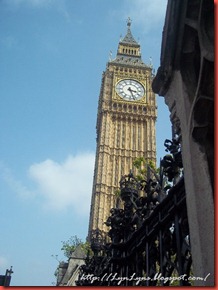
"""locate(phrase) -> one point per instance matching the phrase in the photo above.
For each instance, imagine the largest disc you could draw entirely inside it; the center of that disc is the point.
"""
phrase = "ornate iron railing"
(149, 236)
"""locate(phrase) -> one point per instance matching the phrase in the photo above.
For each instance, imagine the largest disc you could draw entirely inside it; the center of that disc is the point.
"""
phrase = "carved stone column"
(186, 80)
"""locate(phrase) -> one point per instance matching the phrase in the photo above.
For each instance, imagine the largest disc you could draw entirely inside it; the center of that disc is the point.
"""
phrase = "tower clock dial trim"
(130, 90)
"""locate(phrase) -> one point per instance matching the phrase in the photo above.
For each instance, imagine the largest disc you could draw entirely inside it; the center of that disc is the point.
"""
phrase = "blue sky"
(52, 55)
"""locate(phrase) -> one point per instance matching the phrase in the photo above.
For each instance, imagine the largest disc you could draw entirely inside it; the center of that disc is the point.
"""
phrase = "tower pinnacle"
(129, 21)
(129, 39)
(129, 52)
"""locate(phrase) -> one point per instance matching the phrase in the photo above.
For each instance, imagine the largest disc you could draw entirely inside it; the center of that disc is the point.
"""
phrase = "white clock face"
(130, 90)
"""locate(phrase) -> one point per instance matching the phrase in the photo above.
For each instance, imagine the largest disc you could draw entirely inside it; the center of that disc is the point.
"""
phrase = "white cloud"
(57, 186)
(148, 14)
(14, 184)
(3, 263)
(65, 185)
(57, 5)
(33, 3)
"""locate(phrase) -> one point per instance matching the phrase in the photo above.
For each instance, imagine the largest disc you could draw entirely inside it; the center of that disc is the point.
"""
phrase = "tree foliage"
(142, 166)
(69, 246)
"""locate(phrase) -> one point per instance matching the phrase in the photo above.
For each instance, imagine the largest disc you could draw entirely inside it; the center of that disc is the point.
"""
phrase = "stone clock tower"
(125, 125)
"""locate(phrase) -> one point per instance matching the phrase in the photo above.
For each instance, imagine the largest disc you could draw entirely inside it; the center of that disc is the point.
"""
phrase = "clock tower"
(125, 126)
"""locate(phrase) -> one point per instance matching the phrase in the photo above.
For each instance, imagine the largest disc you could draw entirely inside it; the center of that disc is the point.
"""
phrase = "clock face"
(130, 90)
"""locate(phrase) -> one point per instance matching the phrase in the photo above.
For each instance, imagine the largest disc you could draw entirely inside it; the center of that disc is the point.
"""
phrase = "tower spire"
(129, 39)
(129, 21)
(129, 51)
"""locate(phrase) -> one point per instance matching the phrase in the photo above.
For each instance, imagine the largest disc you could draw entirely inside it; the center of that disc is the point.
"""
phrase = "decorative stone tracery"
(186, 80)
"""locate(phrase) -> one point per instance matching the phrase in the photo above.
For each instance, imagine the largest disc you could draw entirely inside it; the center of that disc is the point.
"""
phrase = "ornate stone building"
(186, 80)
(67, 272)
(125, 125)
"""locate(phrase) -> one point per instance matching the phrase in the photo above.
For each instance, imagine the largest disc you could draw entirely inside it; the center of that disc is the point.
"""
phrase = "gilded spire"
(129, 39)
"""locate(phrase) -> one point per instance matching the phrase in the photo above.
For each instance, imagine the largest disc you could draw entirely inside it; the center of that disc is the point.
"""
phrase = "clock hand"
(131, 91)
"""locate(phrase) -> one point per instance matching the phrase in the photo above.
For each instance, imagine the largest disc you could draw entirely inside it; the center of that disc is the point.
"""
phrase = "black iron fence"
(147, 243)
